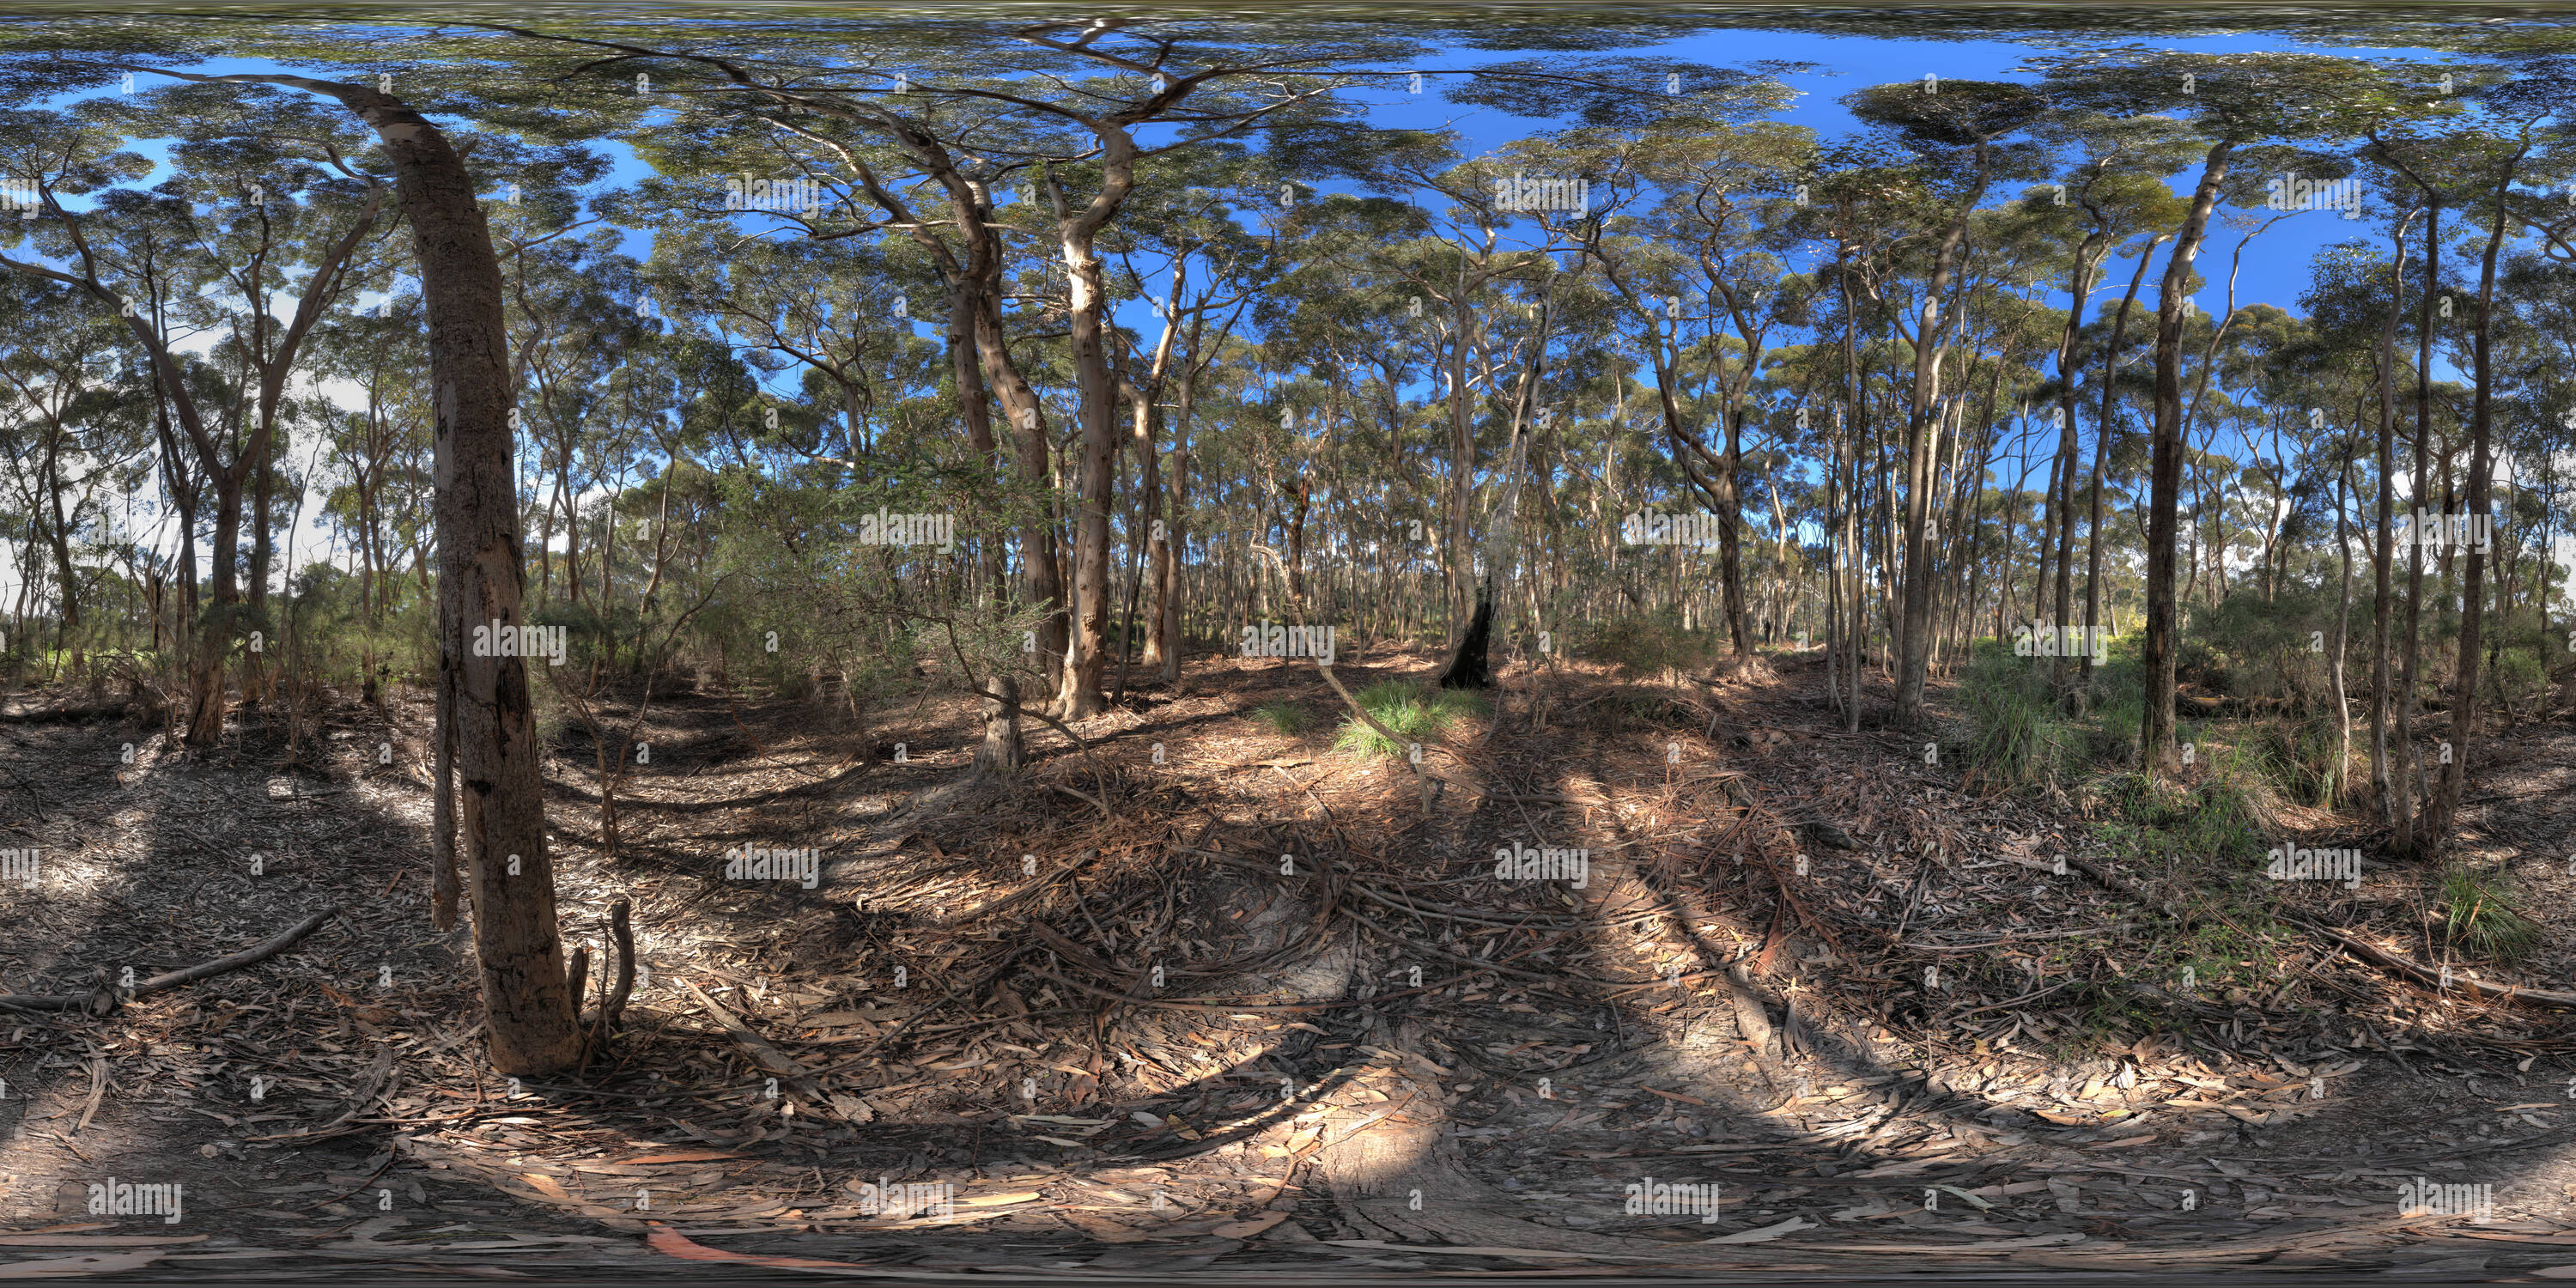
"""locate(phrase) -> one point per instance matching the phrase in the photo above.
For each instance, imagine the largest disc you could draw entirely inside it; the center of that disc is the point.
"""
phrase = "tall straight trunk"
(2406, 683)
(263, 491)
(2164, 471)
(1730, 518)
(1462, 466)
(974, 405)
(1175, 544)
(2381, 789)
(2061, 500)
(1922, 459)
(488, 727)
(2464, 688)
(2102, 450)
(2343, 626)
(1087, 656)
(58, 536)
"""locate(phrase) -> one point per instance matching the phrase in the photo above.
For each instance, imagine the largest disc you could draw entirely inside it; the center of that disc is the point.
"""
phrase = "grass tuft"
(1414, 710)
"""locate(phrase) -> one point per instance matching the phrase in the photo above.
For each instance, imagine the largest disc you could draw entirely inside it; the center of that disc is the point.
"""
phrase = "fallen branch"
(105, 1000)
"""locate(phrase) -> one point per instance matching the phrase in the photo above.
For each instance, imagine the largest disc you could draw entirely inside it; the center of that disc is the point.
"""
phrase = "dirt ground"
(1203, 997)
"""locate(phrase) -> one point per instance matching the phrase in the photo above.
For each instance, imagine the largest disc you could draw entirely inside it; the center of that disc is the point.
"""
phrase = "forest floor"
(1206, 997)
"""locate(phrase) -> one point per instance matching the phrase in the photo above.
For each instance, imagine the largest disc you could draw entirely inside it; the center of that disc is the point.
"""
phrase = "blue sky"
(2274, 274)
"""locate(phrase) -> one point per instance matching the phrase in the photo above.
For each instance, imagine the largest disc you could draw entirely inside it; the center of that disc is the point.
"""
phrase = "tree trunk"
(2102, 449)
(529, 1007)
(1002, 752)
(2464, 689)
(2405, 800)
(2382, 790)
(2165, 469)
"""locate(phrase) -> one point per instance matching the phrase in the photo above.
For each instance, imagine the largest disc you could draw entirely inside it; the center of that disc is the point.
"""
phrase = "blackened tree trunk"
(1471, 667)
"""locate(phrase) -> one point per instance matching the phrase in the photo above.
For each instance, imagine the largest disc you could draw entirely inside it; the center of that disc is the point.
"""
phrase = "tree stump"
(1001, 752)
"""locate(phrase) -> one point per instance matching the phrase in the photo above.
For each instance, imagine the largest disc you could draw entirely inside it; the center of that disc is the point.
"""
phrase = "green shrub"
(2298, 757)
(2017, 738)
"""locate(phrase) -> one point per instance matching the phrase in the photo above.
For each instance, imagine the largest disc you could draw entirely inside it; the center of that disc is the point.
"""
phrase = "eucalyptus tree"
(2524, 132)
(1961, 133)
(1068, 110)
(2111, 188)
(216, 249)
(380, 463)
(2233, 102)
(63, 434)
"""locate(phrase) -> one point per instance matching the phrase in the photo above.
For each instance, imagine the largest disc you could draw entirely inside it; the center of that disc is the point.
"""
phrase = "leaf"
(997, 1200)
(1981, 1204)
(678, 1156)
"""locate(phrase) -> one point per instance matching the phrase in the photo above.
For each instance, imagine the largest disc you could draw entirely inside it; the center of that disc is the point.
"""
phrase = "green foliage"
(2248, 647)
(1414, 711)
(2298, 756)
